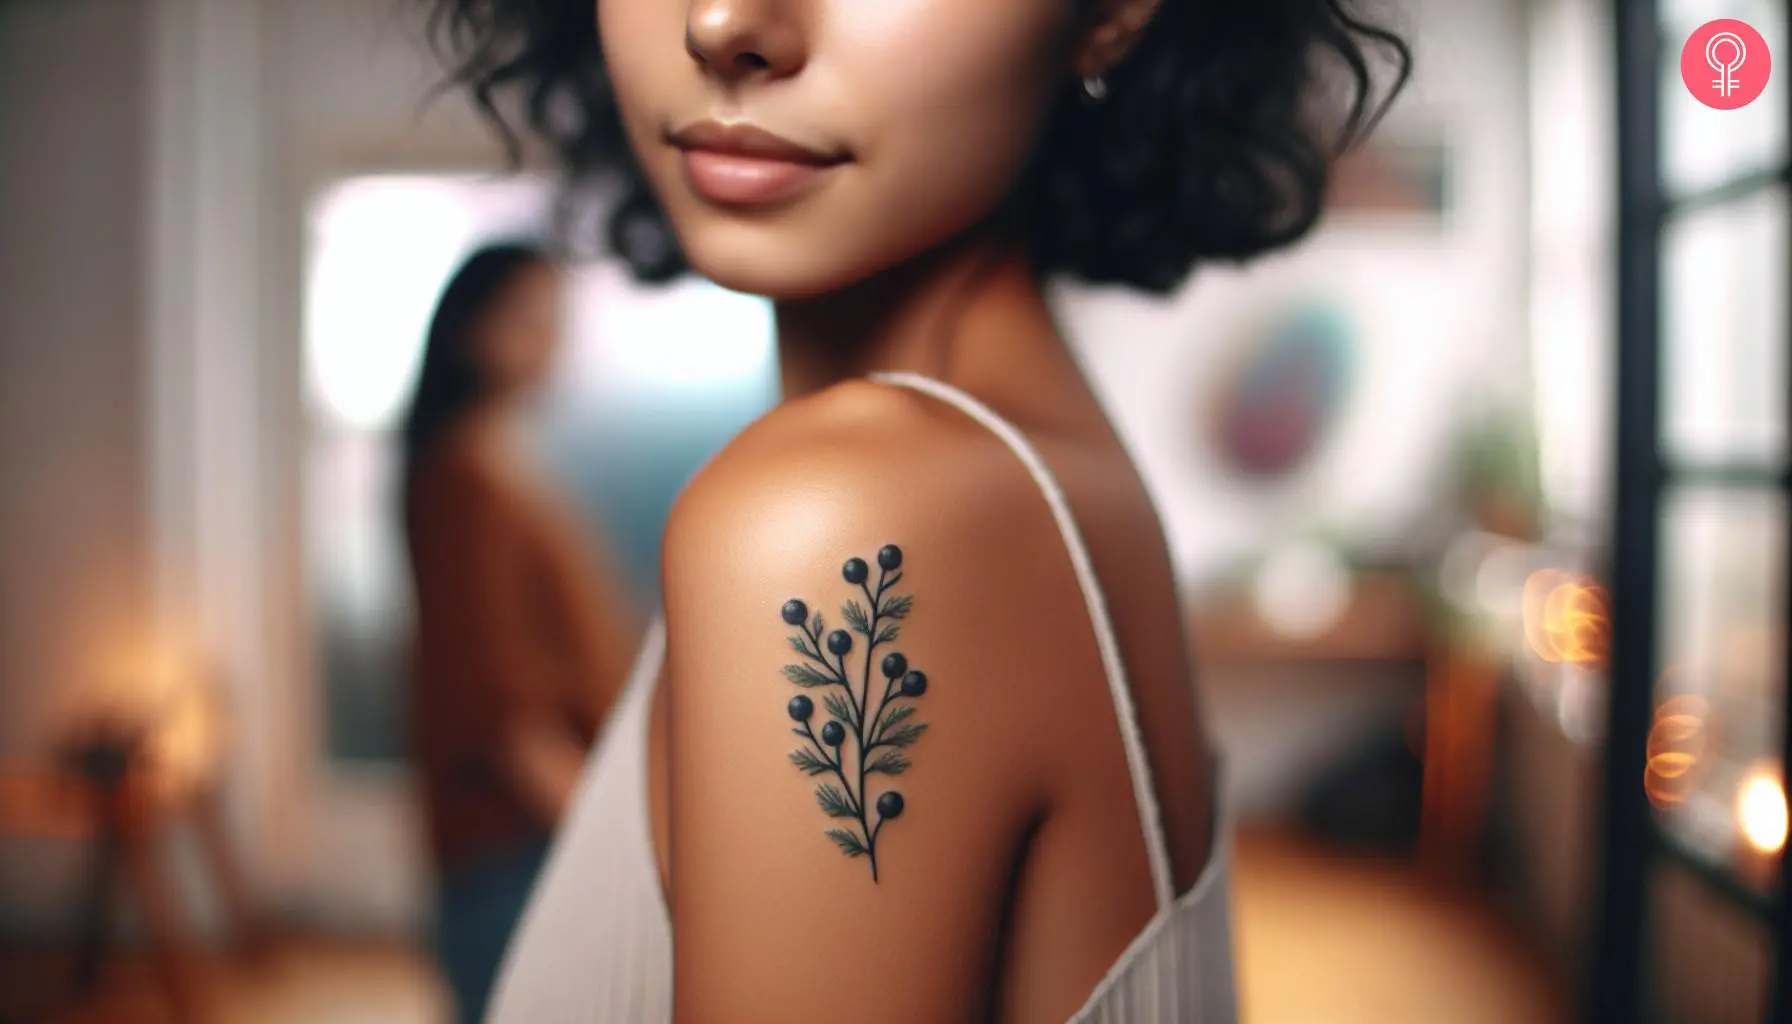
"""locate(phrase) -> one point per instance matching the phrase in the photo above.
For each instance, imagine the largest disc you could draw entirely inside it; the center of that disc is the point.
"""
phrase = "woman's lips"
(741, 164)
(737, 180)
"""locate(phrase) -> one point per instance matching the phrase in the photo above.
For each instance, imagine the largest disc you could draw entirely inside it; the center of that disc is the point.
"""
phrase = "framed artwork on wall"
(1275, 404)
(1398, 174)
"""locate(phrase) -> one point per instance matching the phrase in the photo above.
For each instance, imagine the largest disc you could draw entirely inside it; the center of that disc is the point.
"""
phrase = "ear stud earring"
(1095, 88)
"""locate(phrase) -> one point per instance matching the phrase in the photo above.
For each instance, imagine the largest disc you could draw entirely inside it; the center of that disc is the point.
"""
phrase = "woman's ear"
(1112, 30)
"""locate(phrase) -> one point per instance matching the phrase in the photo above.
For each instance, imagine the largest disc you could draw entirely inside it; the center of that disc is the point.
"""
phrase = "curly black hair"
(1208, 147)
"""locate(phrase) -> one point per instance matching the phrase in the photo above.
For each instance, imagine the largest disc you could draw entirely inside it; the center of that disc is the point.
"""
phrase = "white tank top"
(595, 945)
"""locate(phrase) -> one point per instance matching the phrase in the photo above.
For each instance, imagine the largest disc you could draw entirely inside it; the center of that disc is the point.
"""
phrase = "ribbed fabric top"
(595, 945)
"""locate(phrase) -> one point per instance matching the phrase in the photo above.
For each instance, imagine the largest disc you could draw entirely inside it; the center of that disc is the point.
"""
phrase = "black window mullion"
(1728, 476)
(1730, 191)
(1626, 843)
(1779, 996)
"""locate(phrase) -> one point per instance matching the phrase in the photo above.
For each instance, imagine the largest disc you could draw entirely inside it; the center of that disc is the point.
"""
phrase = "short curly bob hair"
(1208, 147)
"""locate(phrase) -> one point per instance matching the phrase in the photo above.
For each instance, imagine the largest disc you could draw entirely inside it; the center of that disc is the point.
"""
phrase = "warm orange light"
(1587, 627)
(159, 688)
(184, 748)
(1761, 809)
(1677, 745)
(1566, 619)
(1537, 590)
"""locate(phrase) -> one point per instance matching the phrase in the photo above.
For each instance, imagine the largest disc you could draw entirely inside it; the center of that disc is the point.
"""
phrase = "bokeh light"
(1567, 619)
(1678, 743)
(1761, 809)
(1302, 590)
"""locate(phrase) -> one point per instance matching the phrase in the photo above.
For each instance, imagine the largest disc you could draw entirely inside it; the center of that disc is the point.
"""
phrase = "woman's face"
(802, 145)
(519, 334)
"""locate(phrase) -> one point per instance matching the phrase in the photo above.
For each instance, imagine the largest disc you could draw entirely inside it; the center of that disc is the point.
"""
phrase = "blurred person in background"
(934, 561)
(524, 632)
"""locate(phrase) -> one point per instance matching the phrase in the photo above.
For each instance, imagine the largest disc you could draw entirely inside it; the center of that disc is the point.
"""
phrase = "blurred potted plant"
(1494, 477)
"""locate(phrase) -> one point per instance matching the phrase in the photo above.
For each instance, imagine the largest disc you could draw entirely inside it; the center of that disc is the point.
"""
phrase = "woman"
(915, 739)
(522, 638)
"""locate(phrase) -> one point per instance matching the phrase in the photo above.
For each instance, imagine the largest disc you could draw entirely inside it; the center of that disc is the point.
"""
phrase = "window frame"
(1631, 838)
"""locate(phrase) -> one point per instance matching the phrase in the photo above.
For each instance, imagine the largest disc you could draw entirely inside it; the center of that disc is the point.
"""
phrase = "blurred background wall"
(77, 531)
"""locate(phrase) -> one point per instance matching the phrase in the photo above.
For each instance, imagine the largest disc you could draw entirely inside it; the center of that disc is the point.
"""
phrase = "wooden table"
(1386, 621)
(126, 833)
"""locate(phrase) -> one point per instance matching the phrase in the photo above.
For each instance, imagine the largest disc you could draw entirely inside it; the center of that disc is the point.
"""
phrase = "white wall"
(72, 540)
(74, 481)
(156, 156)
(1573, 224)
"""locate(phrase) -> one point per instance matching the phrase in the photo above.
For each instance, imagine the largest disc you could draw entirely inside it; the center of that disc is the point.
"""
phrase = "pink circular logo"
(1725, 64)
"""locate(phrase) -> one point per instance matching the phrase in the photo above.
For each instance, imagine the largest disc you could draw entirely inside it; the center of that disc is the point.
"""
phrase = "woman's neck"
(966, 306)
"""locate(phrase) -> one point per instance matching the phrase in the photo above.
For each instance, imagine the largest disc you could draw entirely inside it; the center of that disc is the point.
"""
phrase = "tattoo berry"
(833, 734)
(890, 805)
(801, 708)
(890, 558)
(839, 642)
(855, 570)
(894, 666)
(914, 684)
(794, 612)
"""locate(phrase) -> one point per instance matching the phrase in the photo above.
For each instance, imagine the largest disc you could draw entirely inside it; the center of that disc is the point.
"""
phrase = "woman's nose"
(740, 39)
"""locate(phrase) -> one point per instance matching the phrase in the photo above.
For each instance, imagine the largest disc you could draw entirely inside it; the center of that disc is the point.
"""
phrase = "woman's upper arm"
(850, 785)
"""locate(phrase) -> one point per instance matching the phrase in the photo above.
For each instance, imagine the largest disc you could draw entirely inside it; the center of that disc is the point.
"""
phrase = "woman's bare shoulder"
(863, 595)
(810, 503)
(855, 447)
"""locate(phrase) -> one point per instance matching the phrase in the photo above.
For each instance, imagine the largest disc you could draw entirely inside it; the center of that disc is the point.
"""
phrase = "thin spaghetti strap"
(1144, 793)
(653, 653)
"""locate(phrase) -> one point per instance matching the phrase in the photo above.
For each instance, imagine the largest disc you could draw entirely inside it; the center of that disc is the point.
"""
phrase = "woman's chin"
(766, 282)
(781, 273)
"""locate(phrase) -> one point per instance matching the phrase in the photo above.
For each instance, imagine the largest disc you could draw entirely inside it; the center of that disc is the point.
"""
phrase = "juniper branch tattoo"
(878, 724)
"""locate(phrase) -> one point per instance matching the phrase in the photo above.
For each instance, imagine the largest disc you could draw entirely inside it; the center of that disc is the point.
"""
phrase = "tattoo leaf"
(903, 736)
(841, 708)
(801, 645)
(896, 607)
(848, 842)
(804, 676)
(887, 632)
(816, 625)
(810, 764)
(855, 617)
(834, 803)
(890, 763)
(892, 718)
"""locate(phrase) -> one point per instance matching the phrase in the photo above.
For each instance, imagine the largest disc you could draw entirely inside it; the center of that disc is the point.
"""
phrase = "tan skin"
(1018, 874)
(548, 623)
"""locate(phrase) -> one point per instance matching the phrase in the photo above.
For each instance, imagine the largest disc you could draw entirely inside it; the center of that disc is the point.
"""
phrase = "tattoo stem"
(868, 741)
(864, 751)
